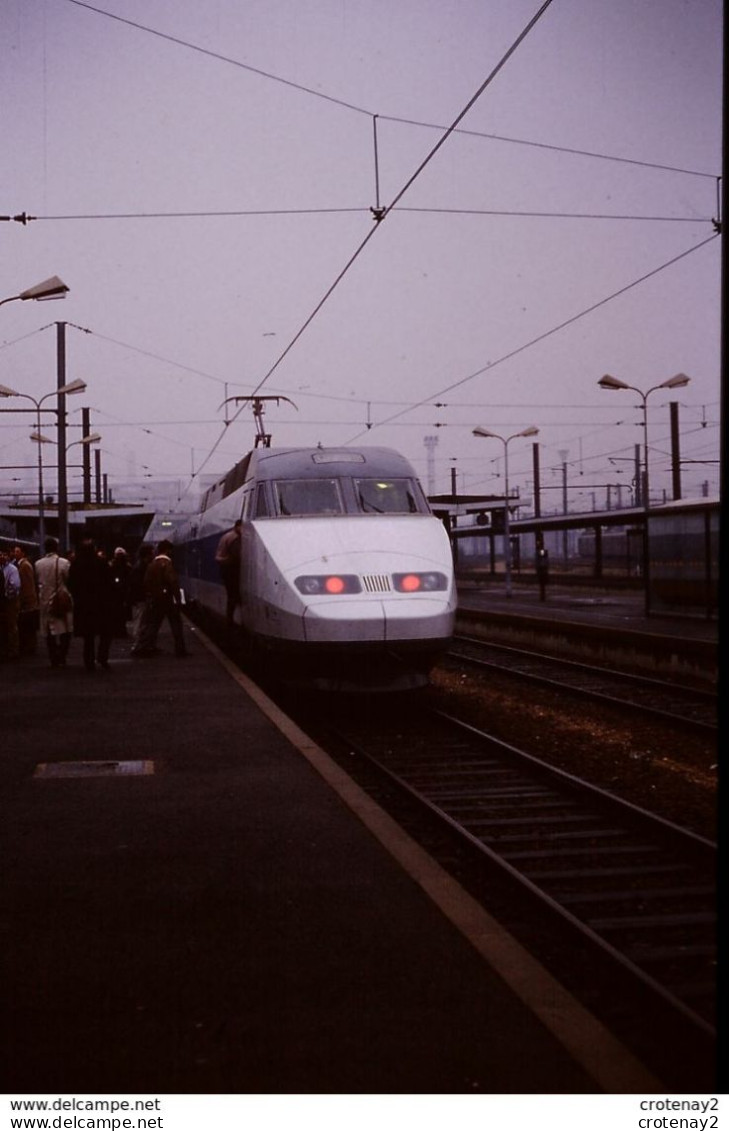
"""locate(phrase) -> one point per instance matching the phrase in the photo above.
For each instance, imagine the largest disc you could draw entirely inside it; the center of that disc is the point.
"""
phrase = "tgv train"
(346, 577)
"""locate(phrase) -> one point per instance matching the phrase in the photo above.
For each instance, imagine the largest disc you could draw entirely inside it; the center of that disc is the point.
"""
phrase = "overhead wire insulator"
(378, 212)
(717, 221)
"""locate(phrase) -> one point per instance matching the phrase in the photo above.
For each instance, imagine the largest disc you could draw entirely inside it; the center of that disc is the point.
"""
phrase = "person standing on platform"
(162, 599)
(92, 586)
(542, 570)
(28, 616)
(120, 569)
(10, 606)
(227, 556)
(56, 604)
(145, 553)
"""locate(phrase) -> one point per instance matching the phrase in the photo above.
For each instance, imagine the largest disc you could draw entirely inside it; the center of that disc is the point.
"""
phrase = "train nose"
(424, 618)
(332, 620)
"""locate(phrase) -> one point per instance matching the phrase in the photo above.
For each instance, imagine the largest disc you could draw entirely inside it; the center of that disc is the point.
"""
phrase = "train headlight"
(419, 582)
(332, 584)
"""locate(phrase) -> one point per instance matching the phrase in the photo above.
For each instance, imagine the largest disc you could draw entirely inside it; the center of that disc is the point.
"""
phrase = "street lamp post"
(505, 440)
(39, 438)
(675, 382)
(41, 498)
(76, 386)
(49, 288)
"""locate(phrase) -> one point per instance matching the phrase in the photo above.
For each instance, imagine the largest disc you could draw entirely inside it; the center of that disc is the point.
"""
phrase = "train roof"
(314, 463)
(324, 462)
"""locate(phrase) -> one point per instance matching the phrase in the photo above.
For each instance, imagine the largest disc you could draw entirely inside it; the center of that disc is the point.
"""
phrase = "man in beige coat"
(51, 572)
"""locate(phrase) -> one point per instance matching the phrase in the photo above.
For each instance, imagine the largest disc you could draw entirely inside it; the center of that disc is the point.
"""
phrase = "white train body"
(346, 577)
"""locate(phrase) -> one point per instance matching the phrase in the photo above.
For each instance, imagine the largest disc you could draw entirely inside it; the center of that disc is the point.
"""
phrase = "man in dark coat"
(162, 599)
(120, 570)
(91, 585)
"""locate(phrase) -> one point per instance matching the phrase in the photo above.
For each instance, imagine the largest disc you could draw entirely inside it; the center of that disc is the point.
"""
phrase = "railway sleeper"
(649, 922)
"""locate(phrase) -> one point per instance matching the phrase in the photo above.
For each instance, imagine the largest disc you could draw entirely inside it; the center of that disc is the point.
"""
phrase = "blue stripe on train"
(196, 559)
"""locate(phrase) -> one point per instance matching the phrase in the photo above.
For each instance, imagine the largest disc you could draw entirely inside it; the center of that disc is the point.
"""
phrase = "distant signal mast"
(431, 443)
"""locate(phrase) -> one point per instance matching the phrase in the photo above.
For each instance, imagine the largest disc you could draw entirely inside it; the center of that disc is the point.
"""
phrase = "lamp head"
(6, 392)
(92, 438)
(479, 431)
(676, 382)
(77, 386)
(608, 382)
(532, 430)
(39, 438)
(49, 288)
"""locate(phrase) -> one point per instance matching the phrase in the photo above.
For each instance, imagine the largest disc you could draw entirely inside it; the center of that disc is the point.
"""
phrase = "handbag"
(60, 603)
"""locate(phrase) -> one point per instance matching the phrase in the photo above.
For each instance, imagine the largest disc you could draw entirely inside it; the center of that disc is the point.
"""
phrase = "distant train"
(346, 577)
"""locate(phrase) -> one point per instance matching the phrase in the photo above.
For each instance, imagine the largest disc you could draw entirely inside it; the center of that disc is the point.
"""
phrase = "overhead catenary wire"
(402, 208)
(212, 214)
(408, 405)
(542, 337)
(153, 356)
(569, 150)
(383, 214)
(189, 215)
(227, 59)
(24, 337)
(219, 56)
(428, 402)
(531, 215)
(145, 425)
(302, 392)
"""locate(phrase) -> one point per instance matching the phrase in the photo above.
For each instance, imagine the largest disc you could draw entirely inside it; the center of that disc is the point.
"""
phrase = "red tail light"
(333, 583)
(419, 582)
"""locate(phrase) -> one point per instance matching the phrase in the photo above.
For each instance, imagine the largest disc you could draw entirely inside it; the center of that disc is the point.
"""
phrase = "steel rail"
(654, 835)
(669, 690)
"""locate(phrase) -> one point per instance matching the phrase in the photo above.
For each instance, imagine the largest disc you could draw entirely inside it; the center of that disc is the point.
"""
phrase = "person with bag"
(55, 601)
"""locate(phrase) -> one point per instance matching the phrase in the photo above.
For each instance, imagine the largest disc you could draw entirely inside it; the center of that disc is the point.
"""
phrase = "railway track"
(621, 904)
(631, 896)
(691, 708)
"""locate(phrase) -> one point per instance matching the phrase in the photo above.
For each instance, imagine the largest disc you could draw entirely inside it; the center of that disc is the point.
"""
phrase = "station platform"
(604, 626)
(623, 609)
(198, 901)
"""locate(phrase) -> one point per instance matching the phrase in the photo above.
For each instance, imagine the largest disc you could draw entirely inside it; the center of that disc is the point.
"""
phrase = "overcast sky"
(464, 307)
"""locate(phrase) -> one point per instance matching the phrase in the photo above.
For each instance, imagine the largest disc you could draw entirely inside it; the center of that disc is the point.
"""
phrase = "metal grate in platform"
(106, 769)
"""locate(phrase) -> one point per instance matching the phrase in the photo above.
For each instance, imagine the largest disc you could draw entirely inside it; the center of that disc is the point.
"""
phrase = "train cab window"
(388, 496)
(308, 497)
(261, 508)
